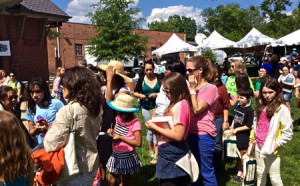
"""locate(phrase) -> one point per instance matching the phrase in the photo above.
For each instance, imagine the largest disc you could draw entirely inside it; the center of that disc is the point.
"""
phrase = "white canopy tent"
(290, 39)
(216, 41)
(174, 44)
(255, 38)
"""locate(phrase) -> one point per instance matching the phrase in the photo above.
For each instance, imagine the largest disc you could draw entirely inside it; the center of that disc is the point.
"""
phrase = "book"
(165, 122)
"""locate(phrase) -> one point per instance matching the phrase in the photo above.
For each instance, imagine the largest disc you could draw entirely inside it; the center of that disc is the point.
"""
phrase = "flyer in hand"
(165, 122)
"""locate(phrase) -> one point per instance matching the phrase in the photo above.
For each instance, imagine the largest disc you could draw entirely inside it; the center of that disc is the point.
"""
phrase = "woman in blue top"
(42, 108)
(146, 90)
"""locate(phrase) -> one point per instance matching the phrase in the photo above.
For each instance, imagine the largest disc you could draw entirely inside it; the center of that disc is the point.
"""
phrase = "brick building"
(68, 49)
(26, 24)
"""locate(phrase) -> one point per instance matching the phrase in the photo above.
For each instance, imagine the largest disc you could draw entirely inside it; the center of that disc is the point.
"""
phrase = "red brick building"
(26, 24)
(68, 49)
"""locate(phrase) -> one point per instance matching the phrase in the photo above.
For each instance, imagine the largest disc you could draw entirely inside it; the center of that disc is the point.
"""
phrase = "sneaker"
(237, 179)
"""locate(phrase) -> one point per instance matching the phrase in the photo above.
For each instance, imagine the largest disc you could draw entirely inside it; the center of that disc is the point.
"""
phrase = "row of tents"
(217, 41)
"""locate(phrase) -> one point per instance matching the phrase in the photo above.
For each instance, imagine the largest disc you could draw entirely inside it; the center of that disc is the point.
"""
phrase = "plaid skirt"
(124, 163)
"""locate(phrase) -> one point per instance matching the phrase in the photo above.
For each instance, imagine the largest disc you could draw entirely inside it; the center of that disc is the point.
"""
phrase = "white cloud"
(159, 14)
(78, 9)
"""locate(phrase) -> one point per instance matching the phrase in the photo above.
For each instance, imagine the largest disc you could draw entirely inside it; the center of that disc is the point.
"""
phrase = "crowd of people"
(96, 104)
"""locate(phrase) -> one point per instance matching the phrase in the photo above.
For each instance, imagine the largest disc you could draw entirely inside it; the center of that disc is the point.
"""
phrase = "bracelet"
(193, 92)
(226, 121)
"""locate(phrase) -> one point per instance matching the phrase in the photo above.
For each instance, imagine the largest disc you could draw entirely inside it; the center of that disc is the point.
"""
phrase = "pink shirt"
(203, 123)
(180, 115)
(262, 128)
(127, 130)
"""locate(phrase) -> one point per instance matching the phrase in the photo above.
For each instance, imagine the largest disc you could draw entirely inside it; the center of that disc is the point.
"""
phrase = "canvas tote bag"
(71, 166)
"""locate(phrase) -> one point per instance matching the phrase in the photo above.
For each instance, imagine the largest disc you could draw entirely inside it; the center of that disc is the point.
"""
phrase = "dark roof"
(43, 6)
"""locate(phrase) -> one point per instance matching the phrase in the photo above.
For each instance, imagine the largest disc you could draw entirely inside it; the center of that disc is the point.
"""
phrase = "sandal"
(153, 161)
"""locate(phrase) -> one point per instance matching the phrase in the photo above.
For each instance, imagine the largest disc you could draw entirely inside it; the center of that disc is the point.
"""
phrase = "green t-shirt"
(231, 86)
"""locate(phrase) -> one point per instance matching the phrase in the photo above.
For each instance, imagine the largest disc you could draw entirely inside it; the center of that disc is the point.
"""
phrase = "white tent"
(290, 39)
(174, 44)
(216, 41)
(255, 38)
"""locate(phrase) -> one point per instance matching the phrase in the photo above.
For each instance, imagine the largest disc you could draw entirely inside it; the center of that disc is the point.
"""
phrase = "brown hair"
(206, 65)
(179, 90)
(83, 88)
(58, 73)
(239, 66)
(273, 84)
(15, 154)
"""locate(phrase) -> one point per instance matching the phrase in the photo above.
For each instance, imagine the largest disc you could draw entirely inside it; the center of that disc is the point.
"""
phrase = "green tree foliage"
(210, 55)
(176, 23)
(114, 21)
(231, 20)
(234, 22)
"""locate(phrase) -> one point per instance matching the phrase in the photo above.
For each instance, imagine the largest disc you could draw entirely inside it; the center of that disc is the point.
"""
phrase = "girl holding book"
(176, 146)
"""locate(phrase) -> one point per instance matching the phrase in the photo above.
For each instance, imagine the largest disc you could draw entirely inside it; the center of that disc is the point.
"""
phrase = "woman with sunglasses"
(42, 108)
(8, 100)
(202, 131)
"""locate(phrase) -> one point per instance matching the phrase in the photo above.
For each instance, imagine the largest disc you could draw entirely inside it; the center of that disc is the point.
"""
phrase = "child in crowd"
(42, 108)
(176, 146)
(287, 81)
(241, 126)
(16, 165)
(124, 161)
(272, 129)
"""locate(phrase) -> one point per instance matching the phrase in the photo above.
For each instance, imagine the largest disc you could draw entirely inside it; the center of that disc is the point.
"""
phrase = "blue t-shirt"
(47, 113)
(22, 181)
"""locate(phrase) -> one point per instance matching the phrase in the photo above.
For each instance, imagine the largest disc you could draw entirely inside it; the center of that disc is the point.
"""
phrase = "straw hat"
(119, 69)
(123, 103)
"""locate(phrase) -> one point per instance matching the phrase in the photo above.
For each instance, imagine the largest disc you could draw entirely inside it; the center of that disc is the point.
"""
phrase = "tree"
(176, 23)
(231, 20)
(274, 8)
(114, 21)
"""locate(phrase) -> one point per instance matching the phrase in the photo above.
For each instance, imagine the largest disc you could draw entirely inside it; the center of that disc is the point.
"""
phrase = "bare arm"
(175, 134)
(137, 141)
(109, 89)
(234, 101)
(198, 105)
(225, 124)
(239, 129)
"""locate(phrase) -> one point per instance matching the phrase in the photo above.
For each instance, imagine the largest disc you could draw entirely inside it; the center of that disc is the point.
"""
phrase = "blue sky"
(152, 9)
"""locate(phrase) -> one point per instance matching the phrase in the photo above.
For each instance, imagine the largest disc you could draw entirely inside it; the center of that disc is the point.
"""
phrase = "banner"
(4, 48)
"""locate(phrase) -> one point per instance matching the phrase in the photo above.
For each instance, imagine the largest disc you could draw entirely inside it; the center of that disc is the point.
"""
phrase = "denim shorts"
(151, 136)
(287, 96)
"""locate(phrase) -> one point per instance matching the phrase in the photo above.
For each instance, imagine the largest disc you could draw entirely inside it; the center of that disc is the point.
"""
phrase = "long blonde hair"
(15, 154)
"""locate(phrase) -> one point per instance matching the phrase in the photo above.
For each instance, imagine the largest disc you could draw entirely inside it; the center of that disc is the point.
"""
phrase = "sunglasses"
(11, 98)
(167, 91)
(191, 70)
(232, 66)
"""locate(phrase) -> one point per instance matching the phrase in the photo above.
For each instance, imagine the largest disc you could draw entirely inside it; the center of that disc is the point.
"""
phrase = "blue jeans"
(218, 140)
(202, 146)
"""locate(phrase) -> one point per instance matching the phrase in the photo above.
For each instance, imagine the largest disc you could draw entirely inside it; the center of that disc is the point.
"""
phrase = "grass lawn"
(290, 158)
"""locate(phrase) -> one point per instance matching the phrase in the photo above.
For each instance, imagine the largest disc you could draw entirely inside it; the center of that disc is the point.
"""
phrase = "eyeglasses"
(268, 92)
(191, 70)
(11, 98)
(167, 91)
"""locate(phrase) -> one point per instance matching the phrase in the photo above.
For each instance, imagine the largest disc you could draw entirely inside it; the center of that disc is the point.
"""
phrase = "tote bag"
(249, 169)
(229, 145)
(71, 166)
